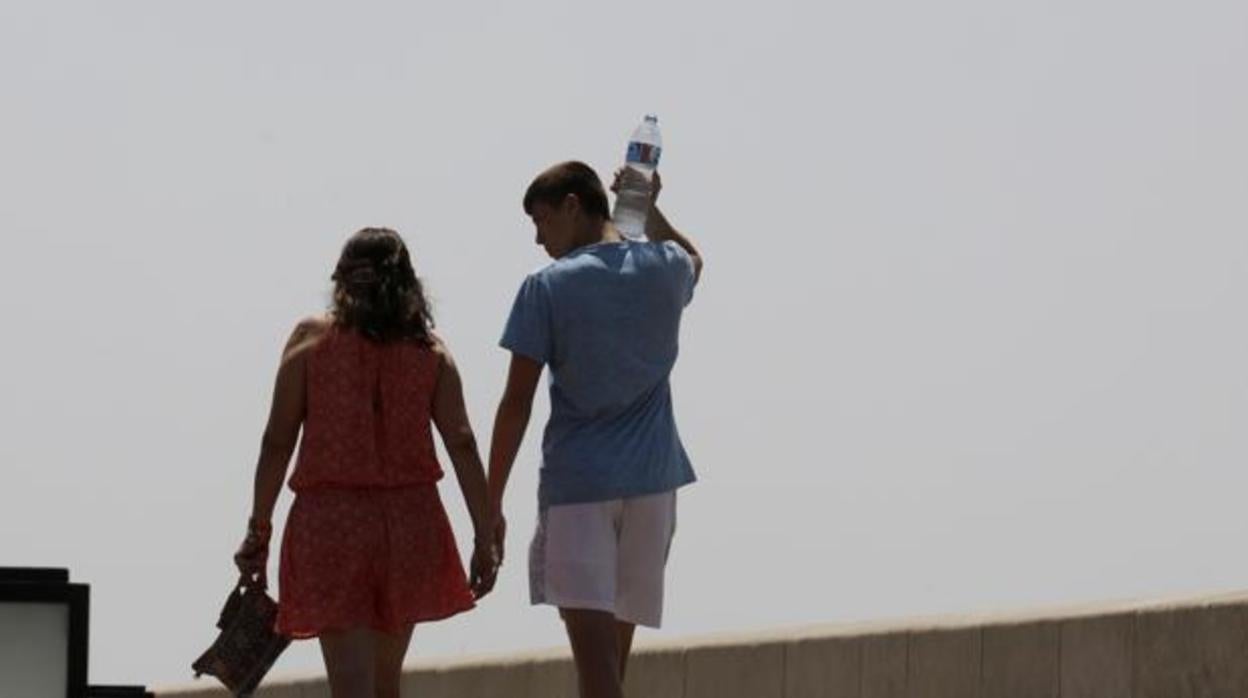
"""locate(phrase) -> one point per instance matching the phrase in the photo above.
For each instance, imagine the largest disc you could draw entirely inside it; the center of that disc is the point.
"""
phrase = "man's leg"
(350, 657)
(624, 639)
(596, 650)
(391, 649)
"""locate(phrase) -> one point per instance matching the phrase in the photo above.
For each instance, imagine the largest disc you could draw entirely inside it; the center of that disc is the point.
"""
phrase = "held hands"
(483, 571)
(253, 554)
(500, 536)
(487, 557)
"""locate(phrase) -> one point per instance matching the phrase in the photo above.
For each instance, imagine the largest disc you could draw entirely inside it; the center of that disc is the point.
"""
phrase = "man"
(605, 317)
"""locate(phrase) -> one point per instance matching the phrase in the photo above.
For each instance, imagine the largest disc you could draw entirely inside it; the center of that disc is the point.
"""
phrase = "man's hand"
(484, 570)
(626, 173)
(499, 537)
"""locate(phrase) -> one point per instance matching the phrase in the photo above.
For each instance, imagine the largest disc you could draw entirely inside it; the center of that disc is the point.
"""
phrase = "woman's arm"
(450, 415)
(281, 433)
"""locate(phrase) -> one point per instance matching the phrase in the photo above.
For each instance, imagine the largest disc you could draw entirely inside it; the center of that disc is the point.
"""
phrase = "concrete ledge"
(1174, 648)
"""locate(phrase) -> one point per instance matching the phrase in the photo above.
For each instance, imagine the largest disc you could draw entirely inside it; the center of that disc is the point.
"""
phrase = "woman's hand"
(252, 557)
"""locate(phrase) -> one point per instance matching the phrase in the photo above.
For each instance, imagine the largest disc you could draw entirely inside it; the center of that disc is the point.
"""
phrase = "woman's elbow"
(461, 440)
(277, 443)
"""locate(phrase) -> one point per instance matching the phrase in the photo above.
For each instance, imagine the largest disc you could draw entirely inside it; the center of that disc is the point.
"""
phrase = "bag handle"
(251, 580)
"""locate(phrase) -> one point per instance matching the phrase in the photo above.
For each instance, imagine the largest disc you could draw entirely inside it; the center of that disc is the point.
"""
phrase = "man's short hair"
(572, 177)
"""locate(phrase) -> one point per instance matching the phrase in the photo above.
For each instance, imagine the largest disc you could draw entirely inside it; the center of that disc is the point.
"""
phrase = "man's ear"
(571, 203)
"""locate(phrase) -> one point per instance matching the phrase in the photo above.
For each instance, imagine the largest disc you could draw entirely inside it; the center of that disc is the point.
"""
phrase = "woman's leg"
(391, 649)
(350, 661)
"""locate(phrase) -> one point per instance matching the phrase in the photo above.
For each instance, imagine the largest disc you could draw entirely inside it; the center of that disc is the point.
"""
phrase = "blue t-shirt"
(606, 318)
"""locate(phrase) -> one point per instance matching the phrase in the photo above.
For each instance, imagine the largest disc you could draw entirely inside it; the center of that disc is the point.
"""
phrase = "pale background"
(971, 333)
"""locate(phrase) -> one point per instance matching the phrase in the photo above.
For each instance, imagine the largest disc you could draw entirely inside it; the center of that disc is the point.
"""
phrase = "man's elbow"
(515, 405)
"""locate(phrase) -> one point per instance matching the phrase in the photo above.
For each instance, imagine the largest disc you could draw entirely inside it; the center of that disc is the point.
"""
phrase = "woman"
(367, 551)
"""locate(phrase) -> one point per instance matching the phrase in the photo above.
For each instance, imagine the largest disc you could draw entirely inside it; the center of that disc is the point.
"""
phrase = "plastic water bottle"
(632, 201)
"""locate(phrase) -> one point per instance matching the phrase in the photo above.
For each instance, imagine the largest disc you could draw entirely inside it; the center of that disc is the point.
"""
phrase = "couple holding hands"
(368, 552)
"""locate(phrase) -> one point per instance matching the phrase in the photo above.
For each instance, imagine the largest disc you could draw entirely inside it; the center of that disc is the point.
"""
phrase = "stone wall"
(1189, 648)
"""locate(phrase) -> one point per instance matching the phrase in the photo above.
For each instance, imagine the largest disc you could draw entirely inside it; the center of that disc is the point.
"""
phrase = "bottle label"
(643, 154)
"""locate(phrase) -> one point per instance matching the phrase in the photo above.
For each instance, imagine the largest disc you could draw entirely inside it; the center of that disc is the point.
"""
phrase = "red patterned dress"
(367, 542)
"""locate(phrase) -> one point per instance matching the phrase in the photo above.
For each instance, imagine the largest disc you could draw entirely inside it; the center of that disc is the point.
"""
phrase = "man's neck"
(606, 232)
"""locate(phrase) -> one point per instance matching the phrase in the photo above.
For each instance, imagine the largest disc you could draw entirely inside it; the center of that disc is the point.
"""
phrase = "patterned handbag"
(248, 644)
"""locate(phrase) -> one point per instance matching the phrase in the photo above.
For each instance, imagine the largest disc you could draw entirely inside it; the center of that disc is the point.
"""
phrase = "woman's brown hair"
(376, 291)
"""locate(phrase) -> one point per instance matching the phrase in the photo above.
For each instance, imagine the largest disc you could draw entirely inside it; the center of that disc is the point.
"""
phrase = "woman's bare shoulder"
(438, 347)
(308, 333)
(315, 324)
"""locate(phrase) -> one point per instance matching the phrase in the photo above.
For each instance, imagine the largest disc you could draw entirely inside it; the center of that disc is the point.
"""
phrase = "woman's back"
(367, 550)
(368, 421)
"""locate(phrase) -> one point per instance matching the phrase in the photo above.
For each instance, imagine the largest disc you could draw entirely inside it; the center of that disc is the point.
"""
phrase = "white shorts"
(605, 556)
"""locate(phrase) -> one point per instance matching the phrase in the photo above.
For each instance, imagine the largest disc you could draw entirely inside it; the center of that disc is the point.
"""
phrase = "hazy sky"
(971, 333)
